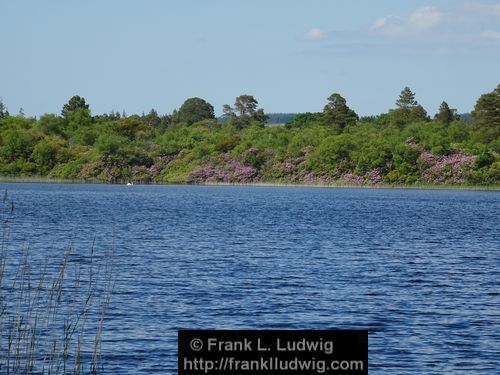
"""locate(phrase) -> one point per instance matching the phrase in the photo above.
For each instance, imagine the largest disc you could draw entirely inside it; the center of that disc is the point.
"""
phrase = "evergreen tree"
(418, 114)
(3, 110)
(408, 110)
(152, 119)
(337, 113)
(194, 110)
(486, 115)
(245, 110)
(446, 114)
(76, 102)
(246, 105)
(406, 99)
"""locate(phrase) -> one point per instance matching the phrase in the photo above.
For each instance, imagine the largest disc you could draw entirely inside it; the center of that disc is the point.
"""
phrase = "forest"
(403, 146)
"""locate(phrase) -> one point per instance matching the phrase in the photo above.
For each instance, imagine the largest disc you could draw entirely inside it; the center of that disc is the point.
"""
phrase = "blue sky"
(291, 55)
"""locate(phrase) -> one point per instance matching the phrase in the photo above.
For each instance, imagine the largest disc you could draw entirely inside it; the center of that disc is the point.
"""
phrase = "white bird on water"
(129, 184)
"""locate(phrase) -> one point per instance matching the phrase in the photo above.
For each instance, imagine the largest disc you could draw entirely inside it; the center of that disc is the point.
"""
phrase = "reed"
(356, 186)
(52, 311)
(428, 186)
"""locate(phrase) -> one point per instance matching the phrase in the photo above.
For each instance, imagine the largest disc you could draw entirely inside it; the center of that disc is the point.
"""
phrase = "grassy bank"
(49, 180)
(352, 186)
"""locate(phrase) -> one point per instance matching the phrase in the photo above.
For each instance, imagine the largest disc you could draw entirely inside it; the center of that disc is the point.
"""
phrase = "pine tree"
(408, 110)
(486, 115)
(76, 102)
(336, 112)
(3, 110)
(245, 111)
(406, 99)
(446, 114)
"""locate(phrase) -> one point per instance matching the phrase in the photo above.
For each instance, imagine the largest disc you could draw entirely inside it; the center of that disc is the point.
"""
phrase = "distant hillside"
(280, 118)
(273, 118)
(283, 118)
(466, 117)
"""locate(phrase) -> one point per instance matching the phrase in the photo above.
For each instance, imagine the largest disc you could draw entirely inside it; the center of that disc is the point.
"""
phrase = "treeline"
(280, 118)
(402, 146)
(272, 118)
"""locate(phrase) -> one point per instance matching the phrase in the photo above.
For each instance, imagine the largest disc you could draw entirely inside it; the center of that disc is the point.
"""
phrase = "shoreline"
(48, 180)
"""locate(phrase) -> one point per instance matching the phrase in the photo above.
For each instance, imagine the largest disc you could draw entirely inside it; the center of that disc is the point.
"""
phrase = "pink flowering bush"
(103, 169)
(351, 178)
(142, 173)
(159, 163)
(111, 170)
(451, 168)
(295, 170)
(225, 169)
(411, 142)
(253, 157)
(374, 176)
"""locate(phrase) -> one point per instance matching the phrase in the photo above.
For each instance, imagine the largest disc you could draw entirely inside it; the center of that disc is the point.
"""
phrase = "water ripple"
(418, 269)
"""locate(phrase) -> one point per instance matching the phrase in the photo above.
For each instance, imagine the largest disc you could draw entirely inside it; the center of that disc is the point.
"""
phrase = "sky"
(289, 54)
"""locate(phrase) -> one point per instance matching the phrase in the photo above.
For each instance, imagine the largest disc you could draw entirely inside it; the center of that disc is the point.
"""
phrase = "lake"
(419, 269)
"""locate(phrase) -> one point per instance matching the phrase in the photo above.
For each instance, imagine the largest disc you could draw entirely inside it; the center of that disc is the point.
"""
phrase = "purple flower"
(351, 178)
(451, 168)
(225, 169)
(374, 176)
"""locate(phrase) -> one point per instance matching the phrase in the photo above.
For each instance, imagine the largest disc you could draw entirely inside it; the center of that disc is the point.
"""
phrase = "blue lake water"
(419, 269)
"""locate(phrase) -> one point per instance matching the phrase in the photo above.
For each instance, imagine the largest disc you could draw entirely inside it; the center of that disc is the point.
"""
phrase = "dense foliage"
(402, 146)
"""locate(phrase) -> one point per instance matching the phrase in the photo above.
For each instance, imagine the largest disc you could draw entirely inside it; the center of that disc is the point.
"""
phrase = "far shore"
(48, 180)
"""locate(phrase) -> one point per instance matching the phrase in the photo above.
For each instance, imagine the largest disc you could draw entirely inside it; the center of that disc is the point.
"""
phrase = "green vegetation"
(337, 113)
(402, 146)
(193, 110)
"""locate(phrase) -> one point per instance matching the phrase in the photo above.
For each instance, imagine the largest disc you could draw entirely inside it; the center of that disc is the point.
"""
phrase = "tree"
(3, 110)
(245, 110)
(76, 102)
(152, 119)
(17, 144)
(406, 99)
(336, 112)
(130, 126)
(80, 117)
(112, 144)
(303, 120)
(418, 114)
(246, 105)
(446, 114)
(228, 110)
(112, 116)
(51, 124)
(408, 110)
(45, 153)
(486, 116)
(194, 110)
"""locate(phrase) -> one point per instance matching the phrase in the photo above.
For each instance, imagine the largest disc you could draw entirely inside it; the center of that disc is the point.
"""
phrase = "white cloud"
(380, 23)
(390, 25)
(490, 35)
(489, 9)
(314, 34)
(422, 19)
(425, 18)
